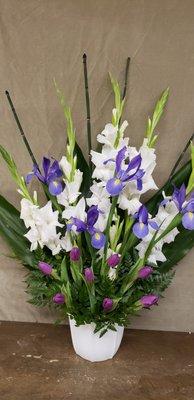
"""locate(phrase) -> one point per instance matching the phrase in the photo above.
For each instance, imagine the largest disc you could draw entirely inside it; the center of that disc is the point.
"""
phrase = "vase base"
(90, 347)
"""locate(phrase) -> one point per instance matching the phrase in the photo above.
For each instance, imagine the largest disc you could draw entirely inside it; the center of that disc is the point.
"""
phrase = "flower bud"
(59, 298)
(113, 260)
(45, 268)
(149, 300)
(107, 304)
(75, 254)
(89, 275)
(145, 272)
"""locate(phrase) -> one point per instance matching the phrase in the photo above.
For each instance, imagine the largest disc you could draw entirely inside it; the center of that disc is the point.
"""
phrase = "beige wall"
(40, 39)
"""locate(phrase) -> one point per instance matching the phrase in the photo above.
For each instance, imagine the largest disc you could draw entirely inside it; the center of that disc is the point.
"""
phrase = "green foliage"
(190, 186)
(83, 166)
(152, 122)
(12, 229)
(15, 175)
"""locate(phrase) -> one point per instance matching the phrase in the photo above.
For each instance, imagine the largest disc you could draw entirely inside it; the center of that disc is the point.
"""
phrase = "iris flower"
(141, 227)
(115, 185)
(186, 208)
(52, 176)
(98, 239)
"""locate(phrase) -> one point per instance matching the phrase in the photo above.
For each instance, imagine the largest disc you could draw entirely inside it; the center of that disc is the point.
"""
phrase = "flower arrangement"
(94, 250)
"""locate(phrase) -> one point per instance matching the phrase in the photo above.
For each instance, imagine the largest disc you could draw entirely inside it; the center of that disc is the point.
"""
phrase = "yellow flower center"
(117, 182)
(97, 236)
(190, 215)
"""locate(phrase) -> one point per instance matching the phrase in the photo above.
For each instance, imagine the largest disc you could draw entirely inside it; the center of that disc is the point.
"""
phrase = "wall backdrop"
(42, 39)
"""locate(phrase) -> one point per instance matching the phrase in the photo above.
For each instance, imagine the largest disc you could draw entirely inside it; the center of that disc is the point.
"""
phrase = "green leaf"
(84, 167)
(191, 179)
(12, 230)
(175, 251)
(152, 122)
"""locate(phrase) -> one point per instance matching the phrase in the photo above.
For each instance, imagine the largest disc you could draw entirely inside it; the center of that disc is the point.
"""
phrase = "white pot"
(92, 348)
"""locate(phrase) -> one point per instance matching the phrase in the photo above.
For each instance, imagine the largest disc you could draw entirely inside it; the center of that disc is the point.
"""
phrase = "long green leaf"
(12, 230)
(84, 167)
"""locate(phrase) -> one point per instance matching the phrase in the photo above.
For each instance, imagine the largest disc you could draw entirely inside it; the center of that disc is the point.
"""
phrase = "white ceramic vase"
(89, 346)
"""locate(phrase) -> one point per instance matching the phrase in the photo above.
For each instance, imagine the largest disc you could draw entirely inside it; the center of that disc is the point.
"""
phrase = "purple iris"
(51, 176)
(188, 215)
(141, 228)
(179, 196)
(133, 172)
(98, 239)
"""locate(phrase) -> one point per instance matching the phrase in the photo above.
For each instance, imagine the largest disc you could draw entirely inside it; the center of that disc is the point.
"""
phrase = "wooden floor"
(37, 362)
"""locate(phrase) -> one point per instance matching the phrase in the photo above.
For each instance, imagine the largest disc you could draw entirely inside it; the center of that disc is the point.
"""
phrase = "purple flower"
(45, 268)
(179, 196)
(132, 172)
(113, 260)
(140, 228)
(89, 275)
(149, 300)
(98, 240)
(59, 298)
(52, 176)
(75, 254)
(188, 215)
(145, 272)
(107, 304)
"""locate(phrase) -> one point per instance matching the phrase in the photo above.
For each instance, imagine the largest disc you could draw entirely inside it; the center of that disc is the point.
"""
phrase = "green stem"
(89, 134)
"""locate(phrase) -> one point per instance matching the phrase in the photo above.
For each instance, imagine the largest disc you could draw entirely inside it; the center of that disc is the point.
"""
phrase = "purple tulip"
(45, 268)
(132, 172)
(59, 298)
(75, 254)
(145, 272)
(149, 300)
(107, 304)
(89, 275)
(113, 260)
(52, 176)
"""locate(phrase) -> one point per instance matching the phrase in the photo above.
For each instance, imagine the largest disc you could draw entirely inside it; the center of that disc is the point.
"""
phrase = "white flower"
(77, 211)
(28, 212)
(128, 201)
(71, 191)
(65, 166)
(109, 134)
(66, 243)
(100, 198)
(112, 273)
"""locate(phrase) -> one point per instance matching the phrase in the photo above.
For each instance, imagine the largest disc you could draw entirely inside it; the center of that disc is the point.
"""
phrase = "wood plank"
(37, 362)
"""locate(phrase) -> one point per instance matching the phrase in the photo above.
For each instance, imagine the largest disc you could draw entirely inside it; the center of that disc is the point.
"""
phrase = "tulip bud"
(113, 260)
(45, 268)
(107, 304)
(75, 254)
(89, 275)
(145, 272)
(149, 300)
(59, 298)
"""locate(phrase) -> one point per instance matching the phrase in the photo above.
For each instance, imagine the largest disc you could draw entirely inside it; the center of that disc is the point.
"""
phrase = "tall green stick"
(89, 135)
(126, 77)
(180, 157)
(25, 140)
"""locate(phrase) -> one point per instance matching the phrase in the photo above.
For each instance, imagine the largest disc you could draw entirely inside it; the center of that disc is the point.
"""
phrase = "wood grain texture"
(37, 362)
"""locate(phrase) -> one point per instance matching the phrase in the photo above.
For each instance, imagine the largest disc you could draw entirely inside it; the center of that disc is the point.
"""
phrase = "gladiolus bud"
(59, 298)
(107, 304)
(75, 254)
(145, 272)
(45, 268)
(113, 260)
(89, 275)
(149, 300)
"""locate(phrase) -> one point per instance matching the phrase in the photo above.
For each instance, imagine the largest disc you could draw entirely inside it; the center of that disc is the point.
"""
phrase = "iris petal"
(55, 187)
(140, 230)
(98, 240)
(114, 186)
(188, 221)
